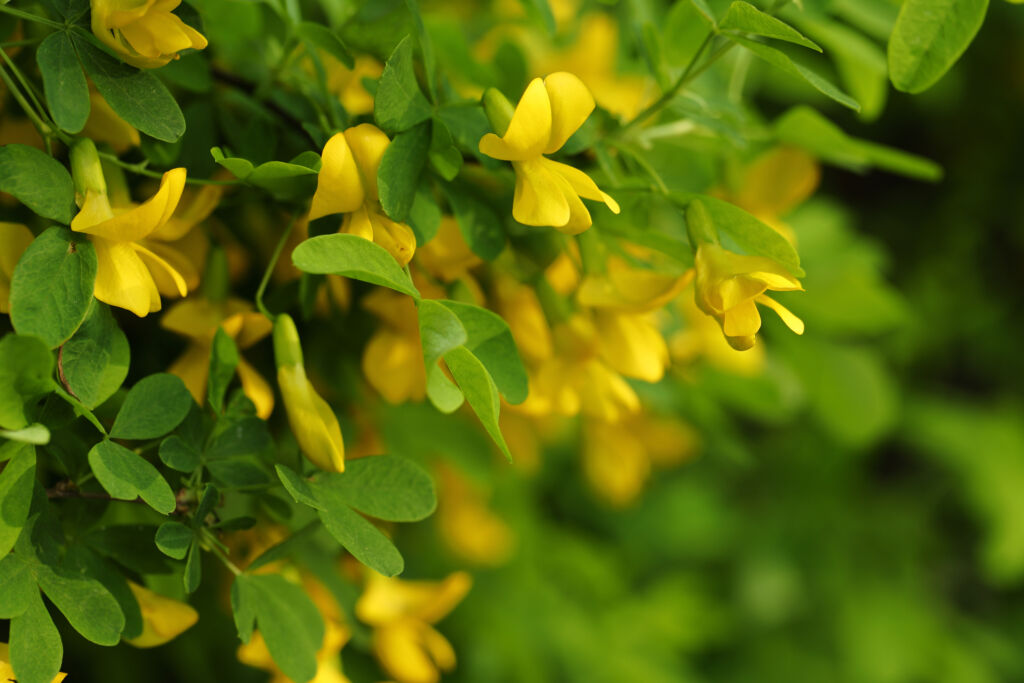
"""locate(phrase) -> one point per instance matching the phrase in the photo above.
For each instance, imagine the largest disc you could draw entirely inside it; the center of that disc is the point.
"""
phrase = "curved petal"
(632, 345)
(582, 184)
(367, 143)
(256, 388)
(163, 273)
(193, 209)
(528, 131)
(393, 365)
(540, 197)
(358, 223)
(338, 186)
(141, 220)
(313, 423)
(397, 238)
(742, 320)
(163, 618)
(177, 263)
(122, 279)
(196, 318)
(571, 104)
(193, 367)
(792, 322)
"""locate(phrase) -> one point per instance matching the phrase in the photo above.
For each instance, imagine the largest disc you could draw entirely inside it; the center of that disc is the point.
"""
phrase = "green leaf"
(193, 575)
(36, 649)
(38, 181)
(243, 608)
(17, 586)
(52, 285)
(136, 96)
(67, 91)
(400, 104)
(176, 453)
(425, 214)
(354, 257)
(173, 539)
(95, 360)
(35, 434)
(480, 392)
(232, 437)
(126, 476)
(26, 366)
(282, 180)
(742, 16)
(480, 225)
(444, 156)
(299, 488)
(224, 359)
(87, 605)
(490, 340)
(928, 38)
(805, 127)
(84, 560)
(16, 482)
(323, 38)
(738, 228)
(781, 60)
(387, 487)
(154, 406)
(440, 332)
(287, 619)
(359, 536)
(208, 501)
(399, 172)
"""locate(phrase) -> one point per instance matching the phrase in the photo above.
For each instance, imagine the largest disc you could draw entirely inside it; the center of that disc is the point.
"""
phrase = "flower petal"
(571, 104)
(178, 268)
(137, 222)
(582, 184)
(397, 238)
(163, 273)
(193, 367)
(528, 131)
(313, 422)
(122, 279)
(632, 345)
(256, 388)
(367, 143)
(741, 320)
(540, 195)
(792, 322)
(338, 186)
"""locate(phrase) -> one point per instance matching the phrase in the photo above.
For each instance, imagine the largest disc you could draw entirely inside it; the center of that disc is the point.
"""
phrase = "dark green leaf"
(88, 606)
(480, 225)
(928, 38)
(176, 453)
(480, 392)
(490, 340)
(323, 38)
(245, 436)
(387, 487)
(25, 375)
(16, 482)
(287, 619)
(66, 90)
(299, 488)
(440, 332)
(400, 104)
(399, 173)
(38, 181)
(95, 360)
(445, 157)
(137, 96)
(358, 536)
(354, 257)
(154, 406)
(208, 501)
(223, 361)
(193, 575)
(17, 586)
(126, 476)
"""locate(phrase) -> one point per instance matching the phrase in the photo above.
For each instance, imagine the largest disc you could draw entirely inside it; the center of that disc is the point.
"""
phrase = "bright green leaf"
(742, 16)
(176, 453)
(387, 487)
(358, 536)
(490, 340)
(400, 104)
(173, 539)
(25, 375)
(299, 488)
(16, 482)
(354, 257)
(399, 172)
(287, 619)
(35, 434)
(929, 37)
(87, 605)
(36, 649)
(17, 586)
(95, 360)
(38, 181)
(154, 406)
(480, 391)
(440, 332)
(126, 476)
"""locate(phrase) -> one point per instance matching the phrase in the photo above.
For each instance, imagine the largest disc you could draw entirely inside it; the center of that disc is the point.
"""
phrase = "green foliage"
(223, 361)
(16, 481)
(95, 359)
(928, 38)
(37, 181)
(399, 103)
(127, 476)
(354, 257)
(745, 18)
(152, 408)
(25, 367)
(66, 89)
(400, 170)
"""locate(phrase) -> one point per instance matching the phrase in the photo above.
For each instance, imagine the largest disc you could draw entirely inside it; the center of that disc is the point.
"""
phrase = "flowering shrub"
(440, 235)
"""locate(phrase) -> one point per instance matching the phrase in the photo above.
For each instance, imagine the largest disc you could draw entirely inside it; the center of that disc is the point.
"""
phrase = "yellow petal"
(139, 221)
(122, 279)
(195, 317)
(571, 104)
(14, 240)
(163, 619)
(256, 388)
(778, 181)
(193, 367)
(632, 345)
(604, 394)
(792, 322)
(393, 365)
(173, 268)
(104, 125)
(397, 238)
(193, 209)
(582, 184)
(741, 320)
(338, 186)
(528, 132)
(402, 655)
(162, 271)
(615, 462)
(388, 599)
(367, 143)
(313, 423)
(540, 195)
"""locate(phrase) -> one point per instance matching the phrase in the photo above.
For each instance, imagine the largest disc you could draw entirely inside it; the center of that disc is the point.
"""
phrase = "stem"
(80, 409)
(28, 89)
(214, 547)
(44, 129)
(270, 268)
(140, 169)
(640, 161)
(28, 16)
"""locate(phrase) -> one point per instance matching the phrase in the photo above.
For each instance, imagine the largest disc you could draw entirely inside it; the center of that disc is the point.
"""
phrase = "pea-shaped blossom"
(126, 270)
(347, 184)
(729, 286)
(163, 618)
(548, 192)
(146, 34)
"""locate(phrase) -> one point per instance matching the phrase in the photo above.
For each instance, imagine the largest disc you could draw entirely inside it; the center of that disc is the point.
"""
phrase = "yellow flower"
(729, 285)
(447, 257)
(328, 665)
(402, 614)
(127, 271)
(347, 83)
(180, 242)
(519, 306)
(548, 192)
(471, 529)
(347, 184)
(312, 420)
(393, 357)
(198, 320)
(618, 458)
(163, 619)
(702, 338)
(7, 673)
(104, 125)
(146, 33)
(14, 240)
(631, 344)
(623, 287)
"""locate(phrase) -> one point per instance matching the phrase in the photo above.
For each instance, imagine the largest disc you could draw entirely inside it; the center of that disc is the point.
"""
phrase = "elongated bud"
(499, 110)
(287, 348)
(699, 225)
(86, 169)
